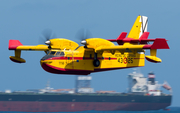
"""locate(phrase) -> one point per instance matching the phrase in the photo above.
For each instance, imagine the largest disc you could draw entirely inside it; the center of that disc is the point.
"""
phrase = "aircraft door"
(69, 61)
(88, 60)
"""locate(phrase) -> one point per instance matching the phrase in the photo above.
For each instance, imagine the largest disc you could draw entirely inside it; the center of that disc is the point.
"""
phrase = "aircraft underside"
(56, 70)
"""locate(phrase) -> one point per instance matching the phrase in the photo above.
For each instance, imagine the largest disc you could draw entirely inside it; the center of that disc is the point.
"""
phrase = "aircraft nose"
(43, 59)
(46, 57)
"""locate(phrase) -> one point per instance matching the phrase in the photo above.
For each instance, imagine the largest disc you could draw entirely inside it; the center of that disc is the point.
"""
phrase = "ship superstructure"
(138, 84)
(83, 84)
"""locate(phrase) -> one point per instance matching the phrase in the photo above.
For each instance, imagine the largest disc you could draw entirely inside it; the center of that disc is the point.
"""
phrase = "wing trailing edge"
(159, 43)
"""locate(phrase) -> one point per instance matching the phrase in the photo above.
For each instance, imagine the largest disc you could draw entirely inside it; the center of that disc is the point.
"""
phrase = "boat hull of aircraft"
(56, 70)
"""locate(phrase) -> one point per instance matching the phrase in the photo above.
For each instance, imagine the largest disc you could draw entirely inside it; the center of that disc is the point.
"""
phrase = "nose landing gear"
(96, 62)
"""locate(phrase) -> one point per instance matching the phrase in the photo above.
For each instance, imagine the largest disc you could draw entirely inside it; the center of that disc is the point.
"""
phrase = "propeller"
(47, 34)
(82, 35)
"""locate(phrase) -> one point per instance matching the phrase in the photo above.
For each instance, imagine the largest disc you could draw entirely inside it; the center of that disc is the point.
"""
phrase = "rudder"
(139, 27)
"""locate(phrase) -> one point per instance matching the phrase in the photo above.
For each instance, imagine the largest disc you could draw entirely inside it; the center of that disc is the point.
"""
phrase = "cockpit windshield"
(58, 53)
(55, 53)
(47, 52)
(52, 52)
(62, 54)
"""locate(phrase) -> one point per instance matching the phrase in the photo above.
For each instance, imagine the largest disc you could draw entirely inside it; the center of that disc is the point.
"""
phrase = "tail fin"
(138, 33)
(139, 27)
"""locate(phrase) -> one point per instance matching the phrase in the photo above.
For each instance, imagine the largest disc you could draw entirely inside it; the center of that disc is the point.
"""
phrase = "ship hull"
(78, 106)
(59, 103)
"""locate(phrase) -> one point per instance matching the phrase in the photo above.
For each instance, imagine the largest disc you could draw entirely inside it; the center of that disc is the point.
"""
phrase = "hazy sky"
(25, 20)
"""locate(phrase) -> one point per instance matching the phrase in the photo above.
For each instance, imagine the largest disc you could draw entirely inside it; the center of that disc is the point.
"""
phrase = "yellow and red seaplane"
(64, 56)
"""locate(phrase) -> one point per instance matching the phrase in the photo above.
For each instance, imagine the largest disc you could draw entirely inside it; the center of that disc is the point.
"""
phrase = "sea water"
(168, 110)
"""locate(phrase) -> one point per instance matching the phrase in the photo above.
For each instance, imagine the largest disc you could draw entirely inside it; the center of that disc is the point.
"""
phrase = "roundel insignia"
(125, 60)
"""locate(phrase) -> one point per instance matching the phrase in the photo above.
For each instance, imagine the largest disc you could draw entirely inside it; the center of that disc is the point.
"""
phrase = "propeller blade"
(47, 34)
(83, 34)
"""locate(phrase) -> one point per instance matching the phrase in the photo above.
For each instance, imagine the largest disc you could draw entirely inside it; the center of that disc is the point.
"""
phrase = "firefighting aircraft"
(64, 56)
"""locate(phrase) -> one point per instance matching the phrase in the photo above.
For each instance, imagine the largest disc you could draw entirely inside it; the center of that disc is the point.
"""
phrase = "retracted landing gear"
(96, 62)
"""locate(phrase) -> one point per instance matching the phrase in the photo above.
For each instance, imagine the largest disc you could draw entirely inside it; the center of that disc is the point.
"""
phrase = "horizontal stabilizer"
(142, 40)
(159, 43)
(120, 38)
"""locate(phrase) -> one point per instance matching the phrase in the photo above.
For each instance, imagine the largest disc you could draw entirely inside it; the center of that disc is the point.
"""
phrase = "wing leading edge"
(17, 45)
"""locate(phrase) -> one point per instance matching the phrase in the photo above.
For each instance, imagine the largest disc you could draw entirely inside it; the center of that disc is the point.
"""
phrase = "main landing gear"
(96, 62)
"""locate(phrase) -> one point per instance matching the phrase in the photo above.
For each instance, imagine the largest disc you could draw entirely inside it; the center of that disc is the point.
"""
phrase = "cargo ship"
(143, 94)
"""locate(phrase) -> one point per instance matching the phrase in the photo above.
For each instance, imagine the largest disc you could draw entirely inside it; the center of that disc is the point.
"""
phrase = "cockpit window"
(52, 52)
(47, 52)
(62, 54)
(58, 53)
(55, 53)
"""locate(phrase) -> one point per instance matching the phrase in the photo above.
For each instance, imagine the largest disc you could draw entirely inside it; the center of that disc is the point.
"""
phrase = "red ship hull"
(27, 106)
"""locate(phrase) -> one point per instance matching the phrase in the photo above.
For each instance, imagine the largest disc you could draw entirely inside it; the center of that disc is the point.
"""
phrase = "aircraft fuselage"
(81, 61)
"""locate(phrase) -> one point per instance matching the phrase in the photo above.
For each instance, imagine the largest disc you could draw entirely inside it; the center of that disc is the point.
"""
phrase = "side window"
(90, 55)
(62, 54)
(58, 53)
